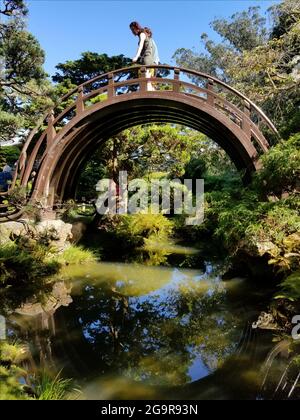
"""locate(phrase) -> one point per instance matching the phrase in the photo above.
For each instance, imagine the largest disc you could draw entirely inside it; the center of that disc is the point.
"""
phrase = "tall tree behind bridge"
(24, 89)
(88, 66)
(261, 61)
(91, 64)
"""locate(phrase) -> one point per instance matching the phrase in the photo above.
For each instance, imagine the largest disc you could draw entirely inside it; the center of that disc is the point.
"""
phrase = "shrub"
(258, 228)
(17, 384)
(47, 387)
(76, 255)
(290, 288)
(136, 236)
(25, 264)
(11, 355)
(281, 169)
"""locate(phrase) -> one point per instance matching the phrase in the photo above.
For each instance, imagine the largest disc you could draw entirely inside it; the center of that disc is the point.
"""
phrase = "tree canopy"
(24, 89)
(90, 65)
(13, 8)
(263, 62)
(142, 150)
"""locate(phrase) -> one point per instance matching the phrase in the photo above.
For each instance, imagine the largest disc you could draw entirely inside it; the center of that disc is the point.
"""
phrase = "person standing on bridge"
(147, 53)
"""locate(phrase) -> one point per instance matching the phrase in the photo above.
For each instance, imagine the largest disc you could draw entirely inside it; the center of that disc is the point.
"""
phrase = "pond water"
(126, 331)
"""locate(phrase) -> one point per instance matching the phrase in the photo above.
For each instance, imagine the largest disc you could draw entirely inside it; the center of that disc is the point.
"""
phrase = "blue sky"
(66, 28)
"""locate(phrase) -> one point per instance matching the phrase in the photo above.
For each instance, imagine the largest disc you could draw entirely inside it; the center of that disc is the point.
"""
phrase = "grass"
(11, 373)
(57, 388)
(20, 265)
(76, 255)
(16, 383)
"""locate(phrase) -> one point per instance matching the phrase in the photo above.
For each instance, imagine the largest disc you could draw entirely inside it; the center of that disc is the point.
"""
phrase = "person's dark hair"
(148, 32)
(136, 28)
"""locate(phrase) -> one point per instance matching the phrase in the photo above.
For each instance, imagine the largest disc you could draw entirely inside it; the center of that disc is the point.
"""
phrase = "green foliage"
(140, 226)
(243, 31)
(30, 258)
(260, 60)
(140, 237)
(17, 384)
(290, 288)
(10, 124)
(247, 223)
(24, 262)
(284, 15)
(24, 89)
(144, 150)
(55, 388)
(228, 181)
(258, 228)
(292, 123)
(17, 198)
(13, 8)
(211, 162)
(24, 57)
(153, 148)
(76, 255)
(92, 173)
(9, 155)
(88, 66)
(11, 355)
(281, 168)
(196, 168)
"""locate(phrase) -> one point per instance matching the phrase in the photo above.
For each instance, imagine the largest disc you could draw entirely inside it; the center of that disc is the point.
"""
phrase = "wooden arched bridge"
(90, 114)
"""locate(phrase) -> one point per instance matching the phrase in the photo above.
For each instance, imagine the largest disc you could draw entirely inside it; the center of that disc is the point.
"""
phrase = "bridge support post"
(176, 83)
(210, 95)
(246, 119)
(110, 89)
(143, 82)
(79, 101)
(51, 132)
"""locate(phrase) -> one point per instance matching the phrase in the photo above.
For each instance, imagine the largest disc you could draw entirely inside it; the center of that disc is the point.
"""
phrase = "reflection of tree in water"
(30, 321)
(155, 337)
(12, 298)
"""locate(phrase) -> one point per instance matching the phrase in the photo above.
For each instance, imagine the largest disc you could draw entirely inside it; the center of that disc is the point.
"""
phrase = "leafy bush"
(281, 169)
(9, 155)
(137, 235)
(76, 255)
(11, 374)
(244, 219)
(258, 228)
(55, 388)
(290, 287)
(17, 384)
(24, 264)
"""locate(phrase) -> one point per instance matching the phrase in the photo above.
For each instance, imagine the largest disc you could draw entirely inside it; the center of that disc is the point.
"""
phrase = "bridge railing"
(136, 79)
(167, 78)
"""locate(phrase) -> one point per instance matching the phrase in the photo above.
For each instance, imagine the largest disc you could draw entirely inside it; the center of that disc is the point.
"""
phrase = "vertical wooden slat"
(51, 132)
(210, 95)
(246, 119)
(143, 79)
(79, 101)
(176, 83)
(110, 89)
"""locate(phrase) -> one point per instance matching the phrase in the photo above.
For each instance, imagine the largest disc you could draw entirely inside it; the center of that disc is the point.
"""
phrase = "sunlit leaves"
(260, 61)
(24, 90)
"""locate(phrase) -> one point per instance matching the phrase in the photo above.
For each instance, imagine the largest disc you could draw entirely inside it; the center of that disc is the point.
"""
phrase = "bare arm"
(140, 47)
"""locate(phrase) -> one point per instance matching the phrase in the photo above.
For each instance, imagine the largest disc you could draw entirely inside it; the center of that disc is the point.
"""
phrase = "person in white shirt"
(147, 52)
